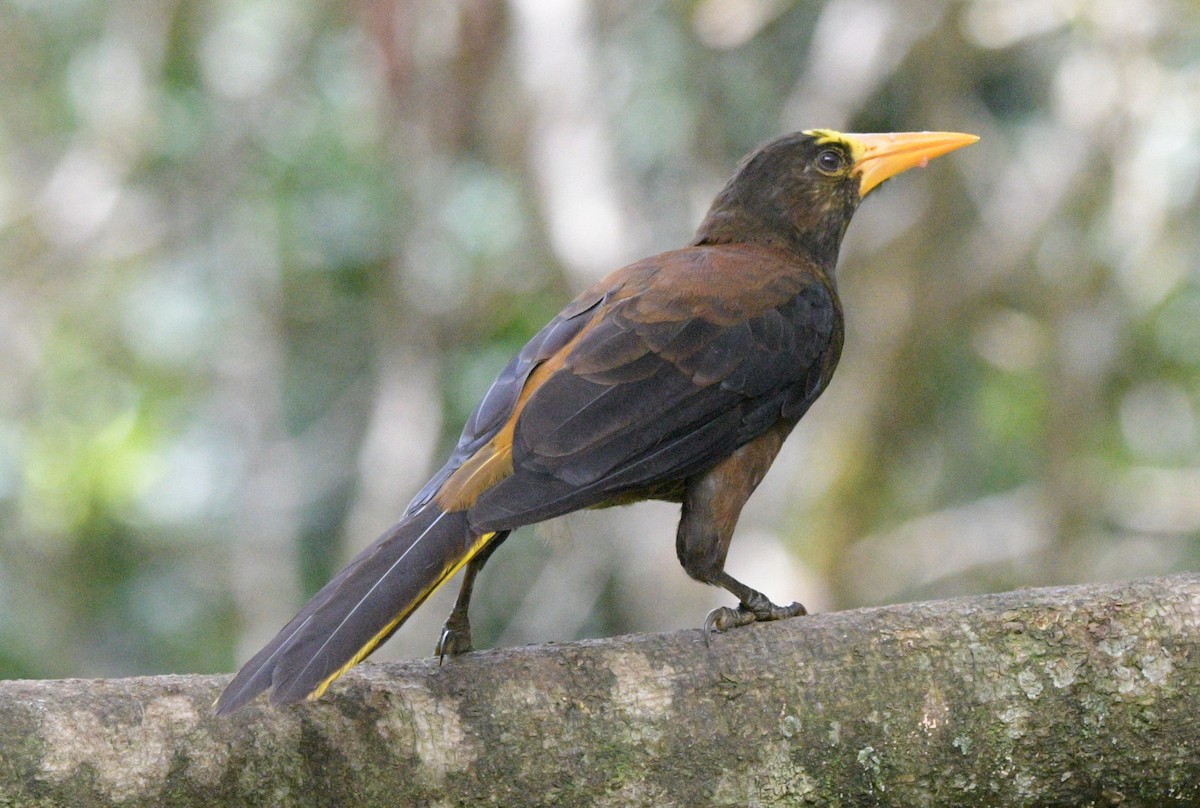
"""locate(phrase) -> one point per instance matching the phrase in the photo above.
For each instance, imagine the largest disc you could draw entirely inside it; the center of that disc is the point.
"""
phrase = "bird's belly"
(669, 491)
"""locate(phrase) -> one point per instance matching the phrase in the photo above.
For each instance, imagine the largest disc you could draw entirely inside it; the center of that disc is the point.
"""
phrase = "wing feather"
(665, 382)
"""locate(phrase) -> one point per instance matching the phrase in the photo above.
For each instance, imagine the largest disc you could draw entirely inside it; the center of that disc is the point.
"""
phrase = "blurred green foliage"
(260, 259)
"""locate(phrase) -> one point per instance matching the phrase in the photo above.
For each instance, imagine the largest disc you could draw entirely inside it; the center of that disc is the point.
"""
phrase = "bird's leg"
(712, 503)
(752, 606)
(456, 633)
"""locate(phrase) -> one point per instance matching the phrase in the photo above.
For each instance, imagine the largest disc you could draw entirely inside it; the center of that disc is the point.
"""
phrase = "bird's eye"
(829, 161)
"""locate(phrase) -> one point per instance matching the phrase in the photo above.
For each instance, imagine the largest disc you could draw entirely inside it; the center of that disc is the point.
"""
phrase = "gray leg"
(456, 634)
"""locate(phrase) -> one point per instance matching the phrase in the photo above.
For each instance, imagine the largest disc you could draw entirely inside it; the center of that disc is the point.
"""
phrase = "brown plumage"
(675, 378)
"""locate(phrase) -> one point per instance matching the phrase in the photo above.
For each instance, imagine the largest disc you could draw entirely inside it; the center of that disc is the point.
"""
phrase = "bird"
(675, 378)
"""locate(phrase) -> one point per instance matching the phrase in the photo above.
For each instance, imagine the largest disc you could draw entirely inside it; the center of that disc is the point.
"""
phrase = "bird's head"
(800, 190)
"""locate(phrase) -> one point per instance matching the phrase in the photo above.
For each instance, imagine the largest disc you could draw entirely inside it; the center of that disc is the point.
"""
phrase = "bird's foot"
(725, 618)
(454, 640)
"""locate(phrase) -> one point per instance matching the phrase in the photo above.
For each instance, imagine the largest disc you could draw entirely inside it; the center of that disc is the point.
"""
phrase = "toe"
(452, 643)
(725, 618)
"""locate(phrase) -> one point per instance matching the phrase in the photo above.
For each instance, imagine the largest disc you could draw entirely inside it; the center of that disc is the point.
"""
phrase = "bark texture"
(1075, 696)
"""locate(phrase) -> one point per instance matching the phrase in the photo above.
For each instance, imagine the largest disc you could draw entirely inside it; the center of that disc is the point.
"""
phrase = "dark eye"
(829, 161)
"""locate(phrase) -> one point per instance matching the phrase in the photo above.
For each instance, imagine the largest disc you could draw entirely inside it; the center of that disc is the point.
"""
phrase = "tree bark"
(1086, 695)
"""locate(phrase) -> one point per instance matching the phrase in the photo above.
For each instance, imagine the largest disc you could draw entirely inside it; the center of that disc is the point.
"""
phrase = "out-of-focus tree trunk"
(1068, 696)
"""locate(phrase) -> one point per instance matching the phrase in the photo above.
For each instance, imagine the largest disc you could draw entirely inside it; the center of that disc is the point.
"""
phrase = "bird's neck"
(818, 243)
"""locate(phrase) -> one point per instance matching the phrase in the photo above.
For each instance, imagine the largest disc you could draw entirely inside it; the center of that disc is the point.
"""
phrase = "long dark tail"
(358, 609)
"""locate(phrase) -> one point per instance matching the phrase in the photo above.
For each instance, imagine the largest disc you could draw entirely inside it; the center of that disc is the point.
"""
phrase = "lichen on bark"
(1068, 696)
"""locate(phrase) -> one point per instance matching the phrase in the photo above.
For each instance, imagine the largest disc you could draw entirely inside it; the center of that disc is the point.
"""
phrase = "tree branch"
(1083, 695)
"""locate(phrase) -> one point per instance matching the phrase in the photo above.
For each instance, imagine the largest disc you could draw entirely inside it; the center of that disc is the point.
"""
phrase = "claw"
(452, 642)
(796, 609)
(710, 626)
(725, 618)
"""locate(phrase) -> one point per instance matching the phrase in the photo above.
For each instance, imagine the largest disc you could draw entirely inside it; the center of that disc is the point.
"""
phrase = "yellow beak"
(880, 156)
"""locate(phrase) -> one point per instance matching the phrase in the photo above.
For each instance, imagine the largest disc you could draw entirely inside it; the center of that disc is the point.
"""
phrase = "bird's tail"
(358, 609)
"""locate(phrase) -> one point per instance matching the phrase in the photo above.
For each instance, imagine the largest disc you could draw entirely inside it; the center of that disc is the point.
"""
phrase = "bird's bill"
(878, 157)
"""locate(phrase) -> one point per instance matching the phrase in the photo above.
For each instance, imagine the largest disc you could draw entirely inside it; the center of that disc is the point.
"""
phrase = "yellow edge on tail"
(479, 544)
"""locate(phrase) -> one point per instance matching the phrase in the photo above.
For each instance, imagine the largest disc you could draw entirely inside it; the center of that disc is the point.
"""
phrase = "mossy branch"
(1085, 695)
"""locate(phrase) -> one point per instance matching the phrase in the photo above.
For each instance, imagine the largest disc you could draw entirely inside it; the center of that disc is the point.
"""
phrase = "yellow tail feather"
(383, 633)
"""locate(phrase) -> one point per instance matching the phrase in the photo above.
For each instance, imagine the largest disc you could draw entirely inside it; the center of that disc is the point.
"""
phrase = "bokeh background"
(259, 259)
